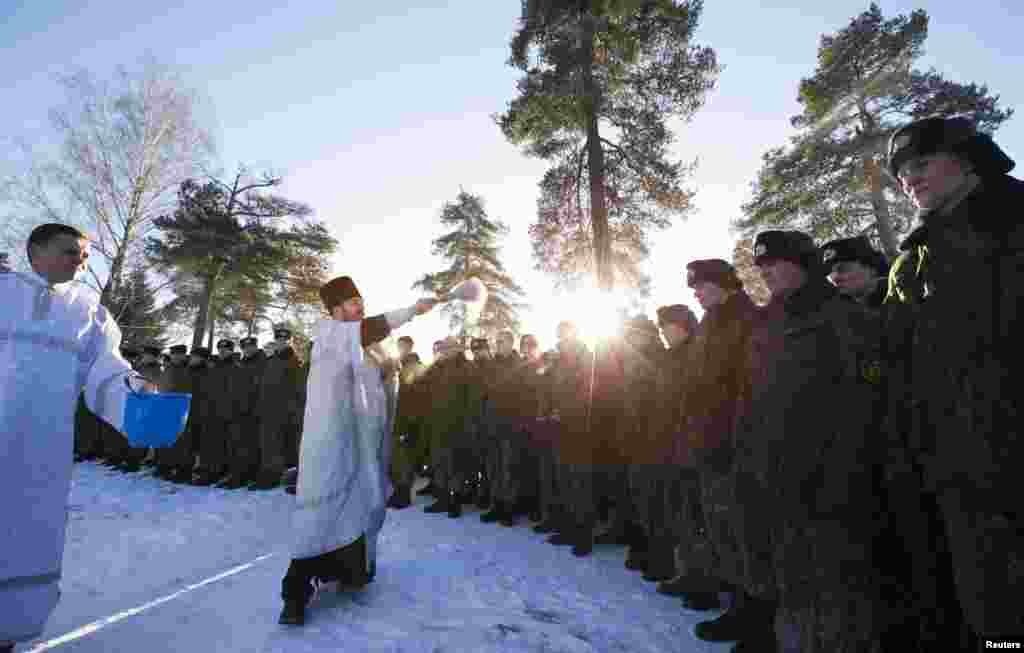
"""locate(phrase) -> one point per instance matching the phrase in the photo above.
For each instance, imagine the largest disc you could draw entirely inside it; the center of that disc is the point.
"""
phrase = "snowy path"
(442, 584)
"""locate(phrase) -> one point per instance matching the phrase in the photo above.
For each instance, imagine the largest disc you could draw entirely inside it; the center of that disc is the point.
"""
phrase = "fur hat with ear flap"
(337, 291)
(952, 135)
(793, 246)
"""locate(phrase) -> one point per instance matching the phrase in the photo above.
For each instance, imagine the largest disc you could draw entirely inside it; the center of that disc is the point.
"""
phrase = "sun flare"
(594, 312)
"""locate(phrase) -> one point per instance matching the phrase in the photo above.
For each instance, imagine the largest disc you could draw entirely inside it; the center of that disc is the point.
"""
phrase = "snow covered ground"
(151, 567)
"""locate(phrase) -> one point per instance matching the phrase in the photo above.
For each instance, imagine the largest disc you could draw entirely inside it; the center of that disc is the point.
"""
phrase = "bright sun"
(594, 312)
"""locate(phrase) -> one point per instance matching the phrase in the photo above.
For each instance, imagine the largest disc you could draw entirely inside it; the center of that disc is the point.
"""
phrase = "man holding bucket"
(55, 341)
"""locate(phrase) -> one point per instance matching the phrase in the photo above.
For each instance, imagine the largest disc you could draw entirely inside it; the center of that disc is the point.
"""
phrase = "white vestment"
(343, 485)
(54, 341)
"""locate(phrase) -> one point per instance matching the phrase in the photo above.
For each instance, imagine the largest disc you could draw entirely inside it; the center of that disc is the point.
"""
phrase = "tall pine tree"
(133, 305)
(470, 248)
(831, 180)
(601, 79)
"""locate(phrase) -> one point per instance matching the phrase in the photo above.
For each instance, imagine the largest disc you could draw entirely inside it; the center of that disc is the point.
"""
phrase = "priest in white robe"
(343, 483)
(55, 341)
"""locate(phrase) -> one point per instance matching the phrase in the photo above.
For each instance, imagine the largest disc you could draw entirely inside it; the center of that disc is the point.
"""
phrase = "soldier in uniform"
(482, 372)
(447, 424)
(954, 320)
(427, 470)
(809, 451)
(213, 454)
(529, 383)
(567, 402)
(280, 401)
(718, 382)
(88, 445)
(681, 498)
(175, 463)
(408, 441)
(199, 412)
(543, 438)
(504, 444)
(243, 450)
(115, 445)
(146, 363)
(645, 449)
(857, 269)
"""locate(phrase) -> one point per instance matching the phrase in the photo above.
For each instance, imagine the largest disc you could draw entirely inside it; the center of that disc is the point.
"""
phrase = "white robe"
(343, 485)
(53, 343)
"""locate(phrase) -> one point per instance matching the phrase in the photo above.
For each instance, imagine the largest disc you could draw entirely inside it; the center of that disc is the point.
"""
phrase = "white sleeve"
(399, 317)
(105, 389)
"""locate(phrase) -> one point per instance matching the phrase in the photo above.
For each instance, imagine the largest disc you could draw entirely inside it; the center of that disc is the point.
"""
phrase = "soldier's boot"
(204, 478)
(454, 505)
(78, 458)
(267, 480)
(482, 494)
(661, 560)
(232, 482)
(745, 618)
(507, 517)
(565, 535)
(549, 525)
(427, 490)
(6, 648)
(639, 552)
(584, 541)
(759, 630)
(401, 499)
(441, 504)
(701, 601)
(494, 514)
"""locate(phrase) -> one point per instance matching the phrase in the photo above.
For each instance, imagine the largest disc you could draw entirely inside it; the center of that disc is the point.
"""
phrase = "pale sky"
(377, 113)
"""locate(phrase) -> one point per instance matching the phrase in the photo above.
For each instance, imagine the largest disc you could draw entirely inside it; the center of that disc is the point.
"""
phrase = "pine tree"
(601, 79)
(133, 307)
(471, 250)
(831, 181)
(231, 233)
(743, 261)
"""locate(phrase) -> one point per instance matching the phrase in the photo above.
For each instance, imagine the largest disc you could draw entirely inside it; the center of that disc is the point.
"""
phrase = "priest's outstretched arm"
(105, 389)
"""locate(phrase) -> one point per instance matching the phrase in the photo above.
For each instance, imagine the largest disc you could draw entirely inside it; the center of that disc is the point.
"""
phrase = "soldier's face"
(352, 310)
(224, 352)
(178, 359)
(529, 348)
(852, 278)
(709, 295)
(782, 277)
(61, 259)
(932, 179)
(674, 333)
(505, 344)
(250, 350)
(404, 349)
(147, 359)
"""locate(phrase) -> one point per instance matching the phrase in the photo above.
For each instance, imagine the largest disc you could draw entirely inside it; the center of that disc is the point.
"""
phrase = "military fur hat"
(405, 339)
(282, 332)
(641, 324)
(152, 350)
(225, 343)
(201, 352)
(858, 250)
(949, 135)
(479, 343)
(128, 352)
(712, 270)
(248, 342)
(793, 246)
(179, 349)
(677, 314)
(450, 344)
(337, 291)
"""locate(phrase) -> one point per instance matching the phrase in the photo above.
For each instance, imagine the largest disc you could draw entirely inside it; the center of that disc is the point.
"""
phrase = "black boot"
(584, 541)
(661, 560)
(482, 494)
(401, 498)
(441, 505)
(564, 536)
(492, 515)
(732, 625)
(507, 517)
(427, 490)
(293, 614)
(296, 591)
(701, 601)
(638, 556)
(454, 505)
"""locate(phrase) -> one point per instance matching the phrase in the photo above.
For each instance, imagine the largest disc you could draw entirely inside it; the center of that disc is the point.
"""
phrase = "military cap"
(152, 350)
(641, 324)
(955, 135)
(449, 344)
(282, 332)
(246, 342)
(793, 246)
(712, 270)
(479, 343)
(858, 250)
(406, 339)
(201, 352)
(226, 343)
(165, 358)
(129, 352)
(677, 314)
(337, 291)
(179, 349)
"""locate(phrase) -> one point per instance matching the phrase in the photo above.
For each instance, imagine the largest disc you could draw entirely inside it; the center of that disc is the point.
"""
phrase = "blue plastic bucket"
(155, 420)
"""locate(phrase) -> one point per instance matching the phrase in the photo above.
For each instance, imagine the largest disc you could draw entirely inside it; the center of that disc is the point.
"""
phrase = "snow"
(151, 566)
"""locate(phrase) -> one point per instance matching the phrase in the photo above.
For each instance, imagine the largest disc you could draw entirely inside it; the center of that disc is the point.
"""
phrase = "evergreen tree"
(133, 306)
(470, 248)
(831, 180)
(743, 261)
(232, 233)
(601, 78)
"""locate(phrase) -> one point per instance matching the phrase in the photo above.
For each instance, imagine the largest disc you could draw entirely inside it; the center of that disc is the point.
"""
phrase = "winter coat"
(281, 390)
(175, 378)
(221, 384)
(504, 392)
(645, 425)
(605, 385)
(676, 367)
(413, 400)
(718, 382)
(955, 303)
(567, 398)
(248, 378)
(449, 421)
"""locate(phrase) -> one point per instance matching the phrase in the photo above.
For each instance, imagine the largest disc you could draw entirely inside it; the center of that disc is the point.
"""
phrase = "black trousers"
(346, 565)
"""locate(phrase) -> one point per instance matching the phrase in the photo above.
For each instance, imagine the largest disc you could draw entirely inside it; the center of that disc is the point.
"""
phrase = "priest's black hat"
(337, 291)
(226, 344)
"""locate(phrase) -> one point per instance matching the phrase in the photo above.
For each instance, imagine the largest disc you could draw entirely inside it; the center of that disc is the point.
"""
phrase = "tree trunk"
(595, 164)
(880, 205)
(203, 314)
(209, 336)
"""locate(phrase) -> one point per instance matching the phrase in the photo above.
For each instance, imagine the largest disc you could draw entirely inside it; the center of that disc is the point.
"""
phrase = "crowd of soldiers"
(836, 468)
(244, 423)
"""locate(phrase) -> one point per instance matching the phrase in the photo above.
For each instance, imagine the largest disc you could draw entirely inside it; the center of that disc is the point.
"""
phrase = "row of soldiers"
(244, 423)
(841, 464)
